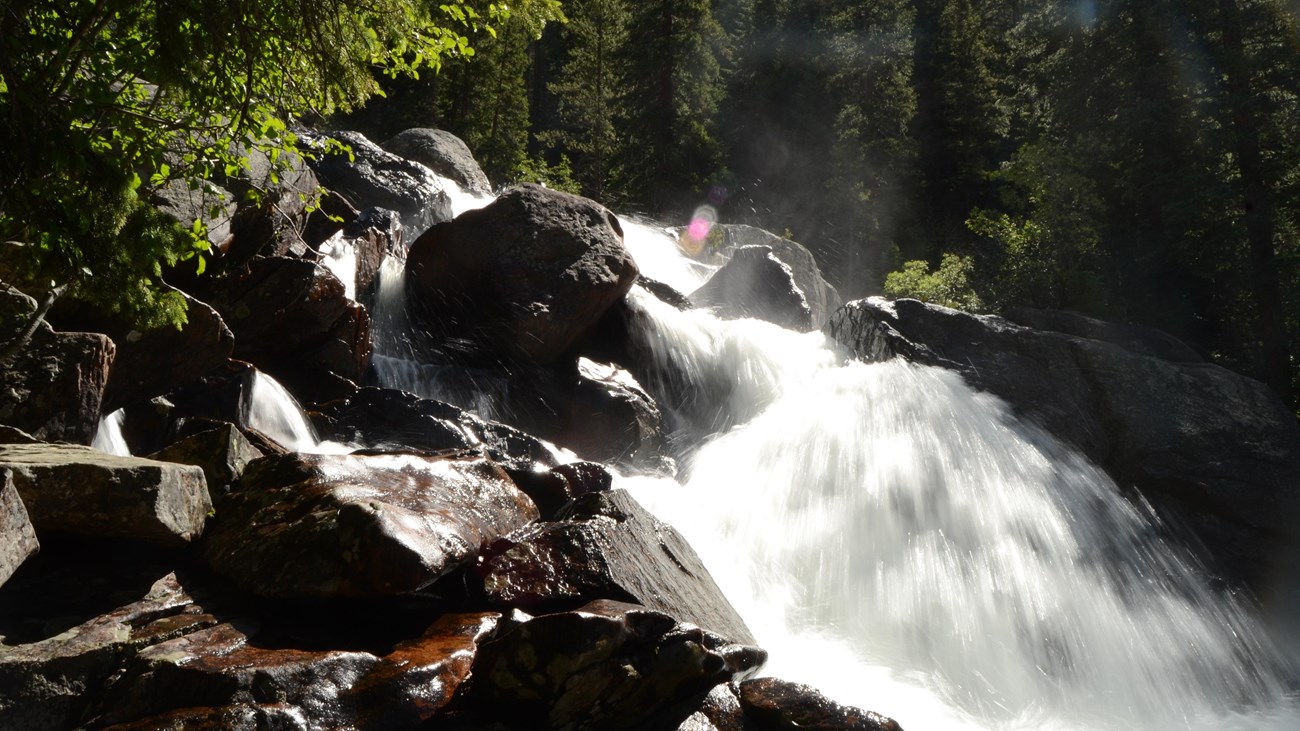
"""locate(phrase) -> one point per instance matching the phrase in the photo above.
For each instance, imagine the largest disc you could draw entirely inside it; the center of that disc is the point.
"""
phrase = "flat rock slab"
(17, 537)
(360, 525)
(610, 548)
(80, 490)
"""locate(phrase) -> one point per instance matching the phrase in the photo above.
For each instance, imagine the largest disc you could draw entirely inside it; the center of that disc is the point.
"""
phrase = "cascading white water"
(269, 408)
(109, 437)
(903, 543)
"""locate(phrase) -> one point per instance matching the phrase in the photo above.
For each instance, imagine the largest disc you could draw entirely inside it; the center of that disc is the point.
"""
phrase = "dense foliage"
(103, 101)
(1135, 159)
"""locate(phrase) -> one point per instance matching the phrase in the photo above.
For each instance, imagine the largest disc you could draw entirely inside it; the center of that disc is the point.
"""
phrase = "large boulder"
(17, 537)
(755, 283)
(607, 665)
(153, 362)
(367, 175)
(823, 299)
(444, 153)
(360, 525)
(53, 386)
(525, 277)
(201, 200)
(222, 452)
(76, 489)
(1212, 451)
(609, 547)
(293, 320)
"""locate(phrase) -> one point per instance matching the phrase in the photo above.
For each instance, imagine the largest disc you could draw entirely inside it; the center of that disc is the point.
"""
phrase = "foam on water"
(905, 544)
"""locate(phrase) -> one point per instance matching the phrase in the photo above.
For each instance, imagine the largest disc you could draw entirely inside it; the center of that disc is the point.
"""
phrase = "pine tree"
(670, 98)
(588, 91)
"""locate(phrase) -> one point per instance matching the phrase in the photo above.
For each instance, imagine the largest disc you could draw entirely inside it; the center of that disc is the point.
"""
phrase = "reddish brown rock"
(779, 705)
(360, 525)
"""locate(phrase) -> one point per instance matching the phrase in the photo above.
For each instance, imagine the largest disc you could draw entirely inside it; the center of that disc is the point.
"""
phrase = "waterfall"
(905, 544)
(109, 437)
(270, 409)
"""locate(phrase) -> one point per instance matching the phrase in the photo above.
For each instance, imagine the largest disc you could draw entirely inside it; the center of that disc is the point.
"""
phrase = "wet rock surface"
(359, 525)
(293, 320)
(754, 283)
(522, 278)
(778, 705)
(608, 547)
(81, 490)
(607, 665)
(1171, 429)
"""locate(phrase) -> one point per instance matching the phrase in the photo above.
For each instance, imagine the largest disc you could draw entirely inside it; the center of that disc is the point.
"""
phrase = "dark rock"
(293, 320)
(1212, 451)
(608, 665)
(221, 452)
(53, 388)
(218, 666)
(153, 362)
(374, 177)
(822, 297)
(238, 717)
(779, 705)
(375, 235)
(1133, 338)
(359, 525)
(10, 435)
(443, 153)
(84, 491)
(54, 684)
(554, 490)
(523, 278)
(754, 283)
(421, 677)
(17, 538)
(597, 411)
(186, 205)
(378, 418)
(720, 711)
(609, 548)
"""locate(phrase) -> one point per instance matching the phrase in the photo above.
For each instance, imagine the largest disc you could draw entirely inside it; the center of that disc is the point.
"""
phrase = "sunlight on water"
(903, 543)
(271, 410)
(109, 438)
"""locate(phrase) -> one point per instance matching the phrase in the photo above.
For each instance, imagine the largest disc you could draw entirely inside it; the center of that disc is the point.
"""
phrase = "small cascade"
(270, 409)
(658, 257)
(340, 257)
(109, 438)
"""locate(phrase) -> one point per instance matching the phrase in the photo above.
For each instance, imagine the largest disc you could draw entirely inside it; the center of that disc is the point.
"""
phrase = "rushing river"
(905, 544)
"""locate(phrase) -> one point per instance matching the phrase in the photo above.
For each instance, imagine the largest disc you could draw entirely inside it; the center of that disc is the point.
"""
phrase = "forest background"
(1137, 160)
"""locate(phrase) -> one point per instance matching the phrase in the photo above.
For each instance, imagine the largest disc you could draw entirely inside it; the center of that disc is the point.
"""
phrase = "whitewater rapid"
(905, 544)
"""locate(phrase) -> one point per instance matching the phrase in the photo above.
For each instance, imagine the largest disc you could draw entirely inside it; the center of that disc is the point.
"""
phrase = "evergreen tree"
(588, 91)
(670, 98)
